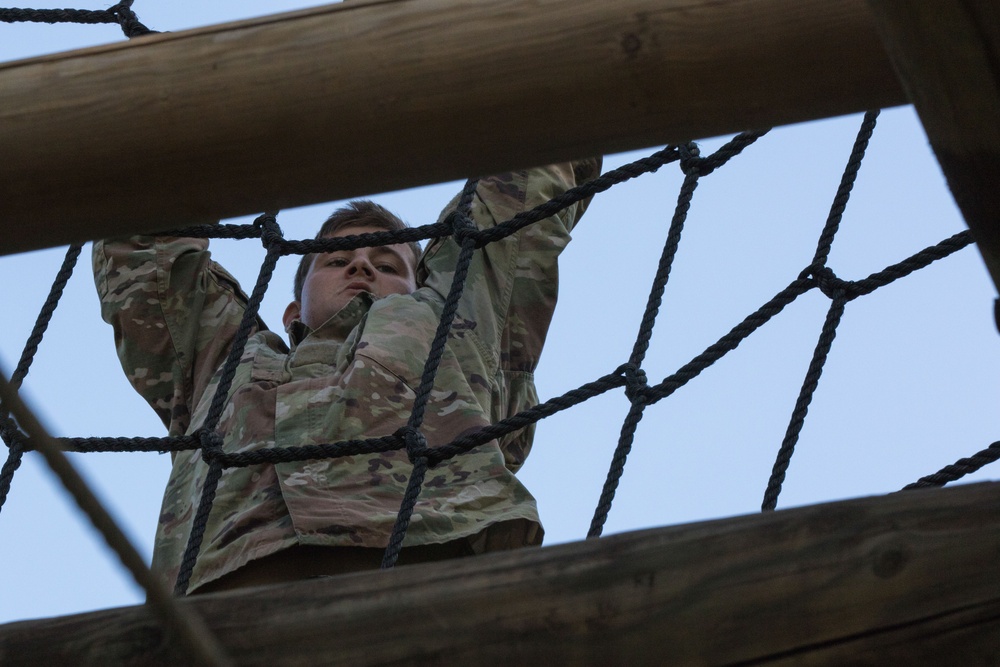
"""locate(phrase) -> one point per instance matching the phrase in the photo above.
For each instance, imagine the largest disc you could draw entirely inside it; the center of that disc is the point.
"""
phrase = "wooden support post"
(947, 53)
(359, 98)
(904, 579)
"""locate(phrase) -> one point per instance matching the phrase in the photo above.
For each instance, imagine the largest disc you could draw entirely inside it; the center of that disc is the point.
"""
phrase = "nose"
(360, 265)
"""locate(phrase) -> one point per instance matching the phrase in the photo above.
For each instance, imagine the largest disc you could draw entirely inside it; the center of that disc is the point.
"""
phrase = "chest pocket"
(398, 334)
(268, 364)
(248, 419)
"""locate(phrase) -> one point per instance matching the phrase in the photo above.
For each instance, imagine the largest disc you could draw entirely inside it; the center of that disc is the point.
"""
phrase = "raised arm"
(174, 313)
(512, 287)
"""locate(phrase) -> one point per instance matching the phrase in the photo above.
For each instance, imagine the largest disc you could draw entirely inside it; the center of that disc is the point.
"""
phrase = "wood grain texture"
(947, 54)
(910, 578)
(354, 99)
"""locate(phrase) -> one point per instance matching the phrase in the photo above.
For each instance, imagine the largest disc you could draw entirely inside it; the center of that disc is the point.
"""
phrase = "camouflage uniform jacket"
(175, 312)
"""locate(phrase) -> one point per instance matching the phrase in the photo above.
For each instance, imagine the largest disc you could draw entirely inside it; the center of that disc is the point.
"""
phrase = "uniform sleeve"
(174, 312)
(511, 290)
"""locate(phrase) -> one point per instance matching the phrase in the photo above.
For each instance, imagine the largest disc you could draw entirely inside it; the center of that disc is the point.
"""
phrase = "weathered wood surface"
(947, 53)
(359, 98)
(907, 579)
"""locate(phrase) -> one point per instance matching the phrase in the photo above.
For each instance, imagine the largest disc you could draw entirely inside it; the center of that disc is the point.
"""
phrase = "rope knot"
(211, 445)
(828, 282)
(11, 434)
(416, 443)
(636, 386)
(691, 161)
(270, 232)
(128, 20)
(462, 227)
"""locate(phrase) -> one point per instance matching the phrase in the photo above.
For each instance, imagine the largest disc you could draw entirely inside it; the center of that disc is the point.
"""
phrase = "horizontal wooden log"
(359, 98)
(946, 53)
(900, 580)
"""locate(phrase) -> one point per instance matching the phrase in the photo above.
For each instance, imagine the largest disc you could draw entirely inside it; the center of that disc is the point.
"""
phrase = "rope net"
(628, 375)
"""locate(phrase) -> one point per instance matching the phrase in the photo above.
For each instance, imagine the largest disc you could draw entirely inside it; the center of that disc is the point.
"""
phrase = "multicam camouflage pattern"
(175, 312)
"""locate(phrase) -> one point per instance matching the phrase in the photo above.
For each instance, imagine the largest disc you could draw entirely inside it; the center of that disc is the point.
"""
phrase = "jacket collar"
(340, 324)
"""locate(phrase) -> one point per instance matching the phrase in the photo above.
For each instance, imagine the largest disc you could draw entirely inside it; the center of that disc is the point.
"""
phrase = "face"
(335, 278)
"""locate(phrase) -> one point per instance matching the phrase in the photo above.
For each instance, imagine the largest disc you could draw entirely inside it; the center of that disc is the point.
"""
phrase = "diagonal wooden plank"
(947, 54)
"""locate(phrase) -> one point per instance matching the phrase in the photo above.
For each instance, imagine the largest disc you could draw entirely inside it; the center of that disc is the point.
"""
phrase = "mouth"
(364, 287)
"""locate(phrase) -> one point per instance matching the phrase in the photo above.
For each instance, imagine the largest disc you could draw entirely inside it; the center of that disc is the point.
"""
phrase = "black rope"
(890, 274)
(198, 526)
(122, 445)
(413, 487)
(85, 16)
(120, 13)
(829, 332)
(128, 21)
(958, 470)
(809, 386)
(45, 315)
(416, 445)
(729, 342)
(524, 418)
(271, 232)
(636, 378)
(637, 389)
(464, 231)
(212, 442)
(9, 432)
(843, 195)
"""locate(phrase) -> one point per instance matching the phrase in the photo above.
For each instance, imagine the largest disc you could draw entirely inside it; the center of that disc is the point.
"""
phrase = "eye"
(387, 268)
(336, 261)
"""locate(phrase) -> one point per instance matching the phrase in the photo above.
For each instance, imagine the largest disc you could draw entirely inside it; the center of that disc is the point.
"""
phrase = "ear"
(292, 312)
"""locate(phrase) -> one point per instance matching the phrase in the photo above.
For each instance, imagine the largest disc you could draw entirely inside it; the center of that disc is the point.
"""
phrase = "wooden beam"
(905, 579)
(947, 53)
(355, 99)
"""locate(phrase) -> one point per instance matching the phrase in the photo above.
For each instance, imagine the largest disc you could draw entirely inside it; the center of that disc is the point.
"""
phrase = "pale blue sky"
(911, 384)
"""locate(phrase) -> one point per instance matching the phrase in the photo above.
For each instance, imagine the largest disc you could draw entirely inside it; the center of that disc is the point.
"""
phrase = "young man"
(360, 330)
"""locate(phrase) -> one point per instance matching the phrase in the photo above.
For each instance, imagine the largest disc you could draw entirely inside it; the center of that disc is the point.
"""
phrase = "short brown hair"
(357, 213)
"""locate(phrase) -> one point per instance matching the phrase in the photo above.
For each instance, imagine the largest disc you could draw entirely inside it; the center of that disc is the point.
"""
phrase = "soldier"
(359, 329)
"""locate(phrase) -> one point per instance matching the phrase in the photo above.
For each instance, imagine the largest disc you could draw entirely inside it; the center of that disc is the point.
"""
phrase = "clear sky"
(911, 384)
